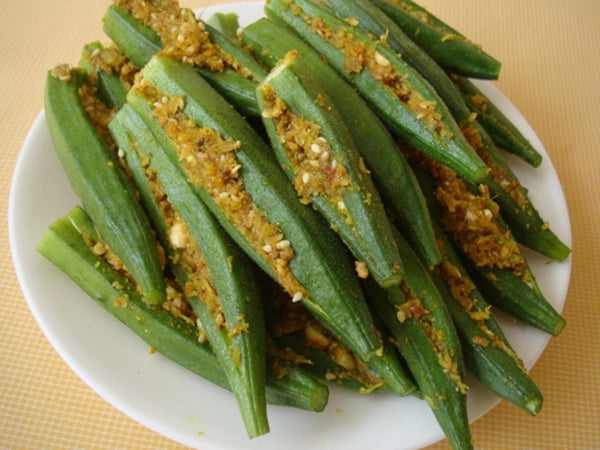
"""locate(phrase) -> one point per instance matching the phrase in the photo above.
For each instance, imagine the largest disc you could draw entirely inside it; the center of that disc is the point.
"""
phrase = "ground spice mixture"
(182, 35)
(471, 219)
(285, 318)
(318, 171)
(413, 308)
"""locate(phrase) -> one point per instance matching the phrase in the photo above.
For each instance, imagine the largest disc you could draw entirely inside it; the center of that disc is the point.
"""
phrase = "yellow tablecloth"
(551, 72)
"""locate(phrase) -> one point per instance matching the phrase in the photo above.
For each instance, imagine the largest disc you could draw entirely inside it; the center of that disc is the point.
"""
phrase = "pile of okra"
(321, 196)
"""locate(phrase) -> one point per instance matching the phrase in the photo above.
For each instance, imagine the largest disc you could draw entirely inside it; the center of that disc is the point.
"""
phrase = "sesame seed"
(297, 297)
(283, 244)
(381, 60)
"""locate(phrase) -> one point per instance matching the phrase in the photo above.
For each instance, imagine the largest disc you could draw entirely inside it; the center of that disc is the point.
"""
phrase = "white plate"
(166, 398)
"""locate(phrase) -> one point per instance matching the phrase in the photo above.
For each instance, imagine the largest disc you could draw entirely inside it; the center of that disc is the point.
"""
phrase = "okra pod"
(316, 150)
(242, 184)
(447, 46)
(499, 127)
(523, 218)
(518, 297)
(66, 244)
(224, 64)
(418, 320)
(393, 88)
(487, 248)
(488, 355)
(217, 276)
(98, 180)
(369, 18)
(391, 173)
(517, 210)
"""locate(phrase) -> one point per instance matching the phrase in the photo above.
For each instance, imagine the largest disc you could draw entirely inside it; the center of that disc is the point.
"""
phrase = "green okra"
(517, 209)
(506, 282)
(224, 64)
(217, 276)
(66, 244)
(369, 18)
(500, 128)
(393, 88)
(488, 355)
(98, 180)
(417, 318)
(316, 150)
(242, 184)
(443, 43)
(521, 299)
(391, 173)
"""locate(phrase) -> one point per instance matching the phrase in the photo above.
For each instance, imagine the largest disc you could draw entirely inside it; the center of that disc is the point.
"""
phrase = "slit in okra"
(393, 88)
(318, 154)
(210, 160)
(491, 254)
(142, 29)
(77, 121)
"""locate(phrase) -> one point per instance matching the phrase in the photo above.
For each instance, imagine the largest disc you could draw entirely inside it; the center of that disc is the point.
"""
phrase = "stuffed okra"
(315, 148)
(71, 243)
(143, 29)
(76, 121)
(217, 277)
(488, 355)
(235, 174)
(443, 43)
(391, 173)
(489, 251)
(419, 322)
(393, 88)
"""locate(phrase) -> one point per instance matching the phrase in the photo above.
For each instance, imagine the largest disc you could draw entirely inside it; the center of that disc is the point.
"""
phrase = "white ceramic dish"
(168, 399)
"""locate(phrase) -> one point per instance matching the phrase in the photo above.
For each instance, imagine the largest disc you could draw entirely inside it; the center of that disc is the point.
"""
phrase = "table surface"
(551, 72)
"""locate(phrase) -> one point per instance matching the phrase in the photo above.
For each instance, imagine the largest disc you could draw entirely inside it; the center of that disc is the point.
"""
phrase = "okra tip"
(319, 399)
(558, 327)
(533, 405)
